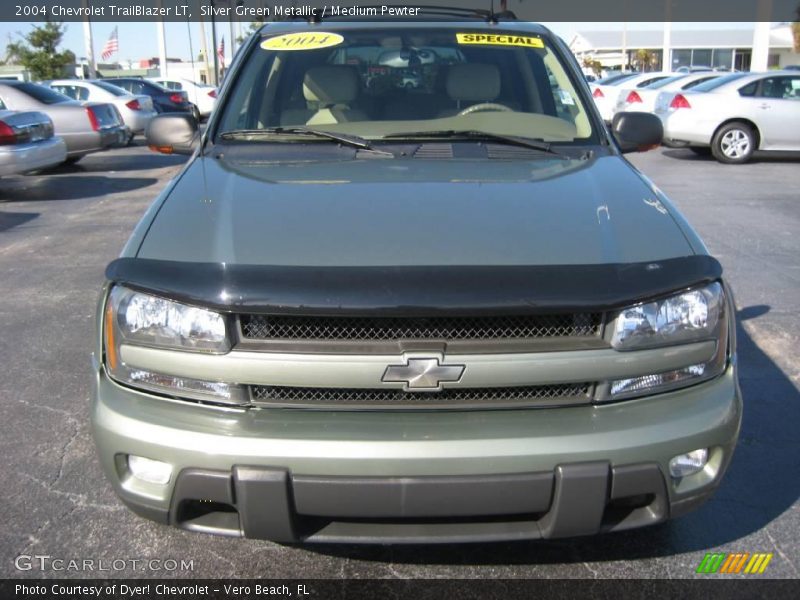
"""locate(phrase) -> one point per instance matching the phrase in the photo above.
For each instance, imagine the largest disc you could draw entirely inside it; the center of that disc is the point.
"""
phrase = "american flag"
(111, 47)
(221, 51)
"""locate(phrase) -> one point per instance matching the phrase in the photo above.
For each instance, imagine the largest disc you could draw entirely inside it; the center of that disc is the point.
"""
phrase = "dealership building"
(720, 48)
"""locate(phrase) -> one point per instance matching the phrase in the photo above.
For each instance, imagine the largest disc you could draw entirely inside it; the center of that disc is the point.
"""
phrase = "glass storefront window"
(701, 58)
(681, 58)
(723, 58)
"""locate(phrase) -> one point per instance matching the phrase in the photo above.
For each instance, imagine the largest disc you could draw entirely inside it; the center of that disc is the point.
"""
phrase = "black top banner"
(523, 10)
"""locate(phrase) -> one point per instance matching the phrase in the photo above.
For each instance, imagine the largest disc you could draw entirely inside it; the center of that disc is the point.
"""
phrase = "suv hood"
(415, 212)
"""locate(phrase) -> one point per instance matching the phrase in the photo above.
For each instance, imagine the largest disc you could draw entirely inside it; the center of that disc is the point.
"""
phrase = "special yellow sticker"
(303, 40)
(499, 39)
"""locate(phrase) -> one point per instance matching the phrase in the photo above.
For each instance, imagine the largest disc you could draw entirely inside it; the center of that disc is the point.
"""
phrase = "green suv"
(367, 311)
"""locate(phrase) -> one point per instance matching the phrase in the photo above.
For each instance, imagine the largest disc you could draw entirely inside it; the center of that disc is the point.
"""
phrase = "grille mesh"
(338, 397)
(281, 327)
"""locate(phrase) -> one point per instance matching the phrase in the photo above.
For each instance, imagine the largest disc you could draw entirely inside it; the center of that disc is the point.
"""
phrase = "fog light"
(689, 463)
(146, 469)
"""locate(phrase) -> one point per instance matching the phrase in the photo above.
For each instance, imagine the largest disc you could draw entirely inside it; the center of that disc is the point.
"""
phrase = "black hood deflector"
(407, 291)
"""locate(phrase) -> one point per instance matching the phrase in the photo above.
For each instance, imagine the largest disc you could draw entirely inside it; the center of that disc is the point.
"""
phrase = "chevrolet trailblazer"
(387, 313)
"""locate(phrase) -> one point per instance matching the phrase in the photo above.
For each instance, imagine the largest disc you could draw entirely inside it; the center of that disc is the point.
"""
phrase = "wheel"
(196, 113)
(485, 107)
(733, 143)
(701, 150)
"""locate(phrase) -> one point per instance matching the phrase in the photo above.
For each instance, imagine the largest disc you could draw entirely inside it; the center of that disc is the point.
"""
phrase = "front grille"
(282, 327)
(547, 395)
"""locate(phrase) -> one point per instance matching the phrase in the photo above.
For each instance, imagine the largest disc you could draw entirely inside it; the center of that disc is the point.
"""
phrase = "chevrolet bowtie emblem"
(423, 374)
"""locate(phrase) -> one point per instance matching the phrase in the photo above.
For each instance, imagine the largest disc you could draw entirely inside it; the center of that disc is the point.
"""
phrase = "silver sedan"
(27, 143)
(136, 110)
(84, 128)
(734, 115)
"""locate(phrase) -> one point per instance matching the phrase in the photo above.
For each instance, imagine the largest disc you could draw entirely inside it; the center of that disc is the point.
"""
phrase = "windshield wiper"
(474, 134)
(343, 138)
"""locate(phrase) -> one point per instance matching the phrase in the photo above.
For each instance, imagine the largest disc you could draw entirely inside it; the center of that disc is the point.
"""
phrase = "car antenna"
(492, 17)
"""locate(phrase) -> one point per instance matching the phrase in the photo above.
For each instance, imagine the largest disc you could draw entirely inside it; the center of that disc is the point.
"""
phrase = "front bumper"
(417, 476)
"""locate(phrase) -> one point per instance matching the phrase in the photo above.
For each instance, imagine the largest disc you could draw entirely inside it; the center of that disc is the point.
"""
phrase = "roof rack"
(423, 10)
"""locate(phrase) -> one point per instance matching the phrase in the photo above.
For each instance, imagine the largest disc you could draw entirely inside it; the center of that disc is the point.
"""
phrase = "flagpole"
(232, 35)
(162, 45)
(88, 41)
(214, 45)
(191, 50)
(204, 50)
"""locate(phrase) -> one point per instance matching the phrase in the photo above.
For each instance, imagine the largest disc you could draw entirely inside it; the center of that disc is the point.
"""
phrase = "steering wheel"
(485, 107)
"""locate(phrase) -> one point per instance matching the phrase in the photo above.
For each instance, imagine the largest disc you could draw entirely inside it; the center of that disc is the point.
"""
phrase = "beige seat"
(329, 92)
(468, 84)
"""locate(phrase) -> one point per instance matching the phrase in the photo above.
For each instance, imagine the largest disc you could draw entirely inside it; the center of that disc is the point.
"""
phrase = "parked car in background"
(85, 128)
(27, 142)
(609, 79)
(643, 99)
(203, 96)
(605, 94)
(734, 115)
(164, 100)
(136, 110)
(693, 69)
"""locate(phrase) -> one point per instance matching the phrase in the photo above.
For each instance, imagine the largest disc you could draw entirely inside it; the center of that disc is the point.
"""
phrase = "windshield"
(713, 84)
(377, 84)
(112, 89)
(41, 93)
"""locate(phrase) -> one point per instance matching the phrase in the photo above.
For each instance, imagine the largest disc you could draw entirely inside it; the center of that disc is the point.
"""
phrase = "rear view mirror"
(173, 133)
(637, 131)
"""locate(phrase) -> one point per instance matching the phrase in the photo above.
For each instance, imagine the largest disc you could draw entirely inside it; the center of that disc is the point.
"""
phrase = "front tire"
(196, 113)
(733, 143)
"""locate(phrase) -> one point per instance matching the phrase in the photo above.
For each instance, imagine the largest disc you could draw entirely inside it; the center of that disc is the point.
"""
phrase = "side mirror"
(637, 131)
(173, 133)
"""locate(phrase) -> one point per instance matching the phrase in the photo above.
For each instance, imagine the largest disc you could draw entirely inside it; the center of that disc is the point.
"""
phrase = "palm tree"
(645, 60)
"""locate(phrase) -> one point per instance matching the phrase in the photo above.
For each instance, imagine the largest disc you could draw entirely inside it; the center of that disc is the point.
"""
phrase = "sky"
(140, 40)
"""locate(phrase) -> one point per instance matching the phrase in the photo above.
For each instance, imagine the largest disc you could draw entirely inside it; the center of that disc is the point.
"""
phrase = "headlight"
(691, 316)
(152, 321)
(686, 317)
(140, 319)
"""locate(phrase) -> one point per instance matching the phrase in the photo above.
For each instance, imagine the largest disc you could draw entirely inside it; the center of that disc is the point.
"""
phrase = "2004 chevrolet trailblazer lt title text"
(366, 311)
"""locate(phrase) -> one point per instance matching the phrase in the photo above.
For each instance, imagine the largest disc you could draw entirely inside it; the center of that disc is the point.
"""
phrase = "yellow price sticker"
(303, 40)
(499, 39)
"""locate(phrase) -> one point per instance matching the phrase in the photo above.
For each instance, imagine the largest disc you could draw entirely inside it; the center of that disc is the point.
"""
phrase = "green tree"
(38, 51)
(594, 65)
(645, 60)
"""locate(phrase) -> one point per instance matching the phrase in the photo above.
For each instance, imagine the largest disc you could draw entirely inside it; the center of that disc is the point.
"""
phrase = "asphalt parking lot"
(59, 230)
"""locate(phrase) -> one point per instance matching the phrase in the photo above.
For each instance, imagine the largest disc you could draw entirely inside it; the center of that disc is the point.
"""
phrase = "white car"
(734, 115)
(27, 142)
(605, 94)
(204, 97)
(644, 98)
(136, 110)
